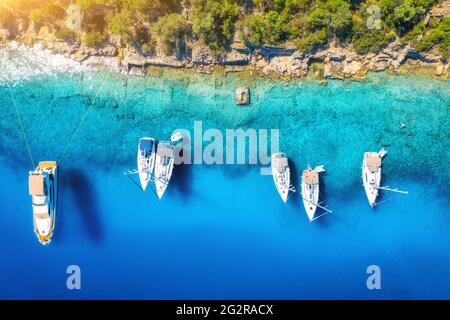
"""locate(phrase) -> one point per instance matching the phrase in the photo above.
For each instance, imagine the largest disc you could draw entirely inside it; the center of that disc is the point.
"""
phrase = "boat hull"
(310, 195)
(44, 212)
(145, 160)
(164, 162)
(371, 179)
(281, 175)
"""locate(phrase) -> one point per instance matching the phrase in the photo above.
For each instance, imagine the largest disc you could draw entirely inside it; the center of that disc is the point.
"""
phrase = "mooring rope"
(74, 134)
(383, 201)
(22, 128)
(83, 118)
(137, 184)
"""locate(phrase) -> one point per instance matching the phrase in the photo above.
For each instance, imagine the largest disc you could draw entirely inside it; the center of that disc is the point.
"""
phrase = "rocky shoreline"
(332, 62)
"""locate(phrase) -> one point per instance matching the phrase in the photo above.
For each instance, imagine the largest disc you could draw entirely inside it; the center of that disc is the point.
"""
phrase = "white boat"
(163, 166)
(43, 188)
(371, 174)
(310, 191)
(281, 174)
(145, 160)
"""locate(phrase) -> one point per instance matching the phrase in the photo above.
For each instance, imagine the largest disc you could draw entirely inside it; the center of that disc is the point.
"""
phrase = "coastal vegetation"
(166, 25)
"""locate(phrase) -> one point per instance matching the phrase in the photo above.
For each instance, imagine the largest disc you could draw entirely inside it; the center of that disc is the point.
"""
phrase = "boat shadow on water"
(181, 181)
(295, 199)
(325, 220)
(77, 195)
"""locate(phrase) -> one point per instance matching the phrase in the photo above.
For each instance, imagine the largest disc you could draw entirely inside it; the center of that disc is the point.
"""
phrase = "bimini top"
(146, 144)
(373, 162)
(36, 185)
(310, 177)
(165, 150)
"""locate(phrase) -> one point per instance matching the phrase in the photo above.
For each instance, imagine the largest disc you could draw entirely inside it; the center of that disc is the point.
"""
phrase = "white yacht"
(43, 188)
(310, 191)
(145, 160)
(371, 174)
(281, 174)
(163, 166)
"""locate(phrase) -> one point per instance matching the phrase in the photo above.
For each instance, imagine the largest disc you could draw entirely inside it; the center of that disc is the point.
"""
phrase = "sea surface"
(222, 231)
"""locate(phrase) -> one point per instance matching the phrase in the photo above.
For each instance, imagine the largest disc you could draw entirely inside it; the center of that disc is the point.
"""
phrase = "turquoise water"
(221, 231)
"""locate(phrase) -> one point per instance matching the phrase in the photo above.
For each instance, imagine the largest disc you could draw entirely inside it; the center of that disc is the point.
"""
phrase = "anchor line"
(69, 144)
(317, 204)
(129, 177)
(19, 118)
(154, 192)
(385, 200)
(22, 128)
(137, 184)
(83, 118)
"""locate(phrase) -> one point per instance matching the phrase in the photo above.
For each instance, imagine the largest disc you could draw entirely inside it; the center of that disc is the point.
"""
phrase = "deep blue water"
(221, 231)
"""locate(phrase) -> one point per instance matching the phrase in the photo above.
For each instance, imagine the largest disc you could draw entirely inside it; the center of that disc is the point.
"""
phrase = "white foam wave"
(20, 63)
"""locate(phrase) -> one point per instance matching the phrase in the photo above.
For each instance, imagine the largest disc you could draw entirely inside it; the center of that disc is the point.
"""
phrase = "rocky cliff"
(335, 61)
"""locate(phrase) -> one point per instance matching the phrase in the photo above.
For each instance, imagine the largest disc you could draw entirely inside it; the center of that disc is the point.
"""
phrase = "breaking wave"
(20, 63)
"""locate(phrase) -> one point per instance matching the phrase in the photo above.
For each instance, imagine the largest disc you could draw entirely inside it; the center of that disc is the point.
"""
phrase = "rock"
(335, 61)
(83, 53)
(61, 47)
(164, 61)
(270, 52)
(4, 35)
(242, 96)
(137, 71)
(108, 50)
(133, 59)
(237, 44)
(441, 10)
(108, 62)
(327, 71)
(235, 57)
(335, 54)
(440, 69)
(201, 55)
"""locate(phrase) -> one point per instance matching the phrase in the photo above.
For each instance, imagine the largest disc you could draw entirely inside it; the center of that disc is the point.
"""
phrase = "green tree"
(122, 23)
(340, 17)
(170, 29)
(47, 14)
(253, 28)
(93, 39)
(439, 36)
(404, 14)
(335, 15)
(213, 21)
(319, 18)
(313, 40)
(370, 40)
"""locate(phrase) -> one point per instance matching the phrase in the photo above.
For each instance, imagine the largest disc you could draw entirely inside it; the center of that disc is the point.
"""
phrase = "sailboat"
(281, 174)
(43, 189)
(371, 174)
(145, 160)
(310, 192)
(163, 166)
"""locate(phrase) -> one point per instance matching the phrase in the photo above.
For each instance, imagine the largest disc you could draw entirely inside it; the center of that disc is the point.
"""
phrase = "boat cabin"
(36, 185)
(373, 162)
(280, 162)
(310, 177)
